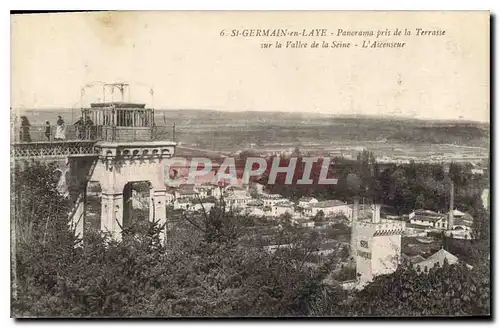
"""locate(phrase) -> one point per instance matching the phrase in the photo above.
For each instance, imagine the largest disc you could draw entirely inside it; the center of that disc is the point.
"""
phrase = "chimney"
(452, 200)
(355, 217)
(376, 214)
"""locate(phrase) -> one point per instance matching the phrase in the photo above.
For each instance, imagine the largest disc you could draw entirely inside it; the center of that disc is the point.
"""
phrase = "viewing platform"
(109, 122)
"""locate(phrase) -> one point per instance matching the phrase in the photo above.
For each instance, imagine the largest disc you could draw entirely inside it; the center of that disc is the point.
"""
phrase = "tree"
(319, 216)
(453, 290)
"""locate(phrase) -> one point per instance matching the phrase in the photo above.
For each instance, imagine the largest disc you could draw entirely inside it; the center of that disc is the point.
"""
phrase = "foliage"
(204, 269)
(451, 290)
(319, 217)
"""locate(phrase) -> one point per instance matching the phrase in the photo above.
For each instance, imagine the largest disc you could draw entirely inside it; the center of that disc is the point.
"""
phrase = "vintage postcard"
(250, 164)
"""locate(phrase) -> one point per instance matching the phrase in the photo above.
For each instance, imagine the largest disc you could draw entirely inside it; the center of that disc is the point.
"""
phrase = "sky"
(189, 65)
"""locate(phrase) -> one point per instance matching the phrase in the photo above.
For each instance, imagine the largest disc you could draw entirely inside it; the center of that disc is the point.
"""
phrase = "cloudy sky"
(190, 66)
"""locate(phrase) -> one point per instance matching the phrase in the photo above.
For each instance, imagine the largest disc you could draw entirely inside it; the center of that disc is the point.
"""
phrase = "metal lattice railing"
(52, 149)
(37, 134)
(81, 142)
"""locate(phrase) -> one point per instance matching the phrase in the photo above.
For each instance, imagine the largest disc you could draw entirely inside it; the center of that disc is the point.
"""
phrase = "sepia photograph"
(250, 164)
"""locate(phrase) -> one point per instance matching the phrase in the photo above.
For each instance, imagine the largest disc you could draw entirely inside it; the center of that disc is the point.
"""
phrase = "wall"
(422, 222)
(125, 134)
(364, 242)
(281, 210)
(386, 251)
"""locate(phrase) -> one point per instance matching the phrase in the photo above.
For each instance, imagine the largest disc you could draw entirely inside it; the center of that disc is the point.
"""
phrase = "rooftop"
(328, 203)
(425, 212)
(118, 104)
(306, 199)
(284, 204)
(428, 218)
(437, 257)
(271, 196)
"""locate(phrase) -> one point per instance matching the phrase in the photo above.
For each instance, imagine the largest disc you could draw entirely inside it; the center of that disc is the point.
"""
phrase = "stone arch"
(136, 202)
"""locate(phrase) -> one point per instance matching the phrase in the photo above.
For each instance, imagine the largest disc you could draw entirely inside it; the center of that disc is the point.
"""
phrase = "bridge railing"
(38, 133)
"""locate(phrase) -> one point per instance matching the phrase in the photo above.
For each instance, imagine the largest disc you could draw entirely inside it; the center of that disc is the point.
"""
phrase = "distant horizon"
(292, 113)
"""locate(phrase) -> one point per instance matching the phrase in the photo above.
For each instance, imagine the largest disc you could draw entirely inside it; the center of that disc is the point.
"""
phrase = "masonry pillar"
(151, 205)
(127, 205)
(112, 214)
(159, 212)
(78, 218)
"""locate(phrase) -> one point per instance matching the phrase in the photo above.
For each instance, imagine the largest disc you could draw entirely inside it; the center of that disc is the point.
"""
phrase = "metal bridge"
(36, 145)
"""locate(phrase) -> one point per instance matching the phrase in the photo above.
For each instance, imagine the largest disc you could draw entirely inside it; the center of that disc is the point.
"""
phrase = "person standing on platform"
(89, 128)
(80, 130)
(25, 129)
(47, 130)
(60, 129)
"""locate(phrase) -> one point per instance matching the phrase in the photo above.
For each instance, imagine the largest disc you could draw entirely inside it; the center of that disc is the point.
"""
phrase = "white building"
(185, 192)
(182, 204)
(208, 190)
(200, 207)
(282, 208)
(271, 199)
(431, 220)
(329, 208)
(255, 208)
(307, 201)
(237, 199)
(428, 219)
(303, 222)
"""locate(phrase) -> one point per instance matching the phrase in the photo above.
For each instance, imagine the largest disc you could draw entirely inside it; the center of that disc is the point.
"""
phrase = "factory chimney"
(376, 213)
(452, 200)
(355, 217)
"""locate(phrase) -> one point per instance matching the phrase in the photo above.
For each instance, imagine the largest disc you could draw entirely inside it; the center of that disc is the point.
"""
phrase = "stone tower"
(378, 246)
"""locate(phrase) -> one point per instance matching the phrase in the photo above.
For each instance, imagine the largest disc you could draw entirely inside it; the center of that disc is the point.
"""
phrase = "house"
(413, 259)
(433, 220)
(436, 258)
(303, 222)
(200, 207)
(271, 199)
(306, 201)
(182, 204)
(255, 211)
(460, 232)
(414, 230)
(208, 190)
(428, 219)
(236, 198)
(255, 207)
(329, 208)
(282, 208)
(185, 192)
(463, 222)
